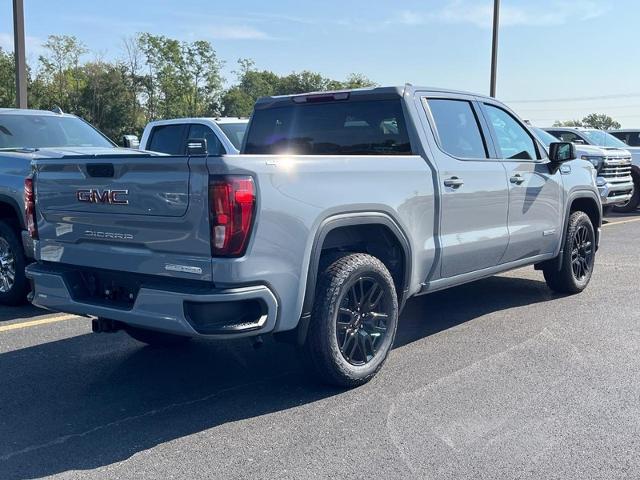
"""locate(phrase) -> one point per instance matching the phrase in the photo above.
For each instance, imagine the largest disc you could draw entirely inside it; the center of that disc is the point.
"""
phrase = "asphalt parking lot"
(495, 379)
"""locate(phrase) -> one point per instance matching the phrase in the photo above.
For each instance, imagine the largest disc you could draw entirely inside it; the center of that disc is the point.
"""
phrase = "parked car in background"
(27, 135)
(631, 137)
(224, 135)
(612, 160)
(343, 205)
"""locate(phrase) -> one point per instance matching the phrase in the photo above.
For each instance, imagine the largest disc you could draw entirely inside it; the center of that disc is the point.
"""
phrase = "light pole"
(494, 46)
(19, 52)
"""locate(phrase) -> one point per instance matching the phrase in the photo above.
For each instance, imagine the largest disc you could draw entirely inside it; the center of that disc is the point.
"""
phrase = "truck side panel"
(290, 209)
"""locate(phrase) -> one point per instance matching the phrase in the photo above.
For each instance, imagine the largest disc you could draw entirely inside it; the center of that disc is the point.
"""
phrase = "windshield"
(41, 131)
(546, 138)
(600, 138)
(234, 132)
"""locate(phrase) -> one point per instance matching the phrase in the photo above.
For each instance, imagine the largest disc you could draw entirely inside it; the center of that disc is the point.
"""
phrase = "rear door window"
(360, 127)
(214, 146)
(168, 139)
(457, 128)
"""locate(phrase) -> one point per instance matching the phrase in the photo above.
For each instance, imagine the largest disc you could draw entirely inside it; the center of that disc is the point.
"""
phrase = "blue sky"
(560, 50)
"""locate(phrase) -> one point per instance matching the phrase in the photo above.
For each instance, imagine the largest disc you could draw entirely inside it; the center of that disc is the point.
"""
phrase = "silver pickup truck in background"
(342, 206)
(612, 161)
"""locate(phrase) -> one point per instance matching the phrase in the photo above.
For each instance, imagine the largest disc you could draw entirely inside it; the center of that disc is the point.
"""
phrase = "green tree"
(252, 84)
(568, 123)
(183, 78)
(7, 79)
(600, 121)
(60, 70)
(593, 120)
(104, 99)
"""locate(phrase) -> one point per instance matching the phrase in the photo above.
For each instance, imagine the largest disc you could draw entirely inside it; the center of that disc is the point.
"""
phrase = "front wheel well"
(592, 209)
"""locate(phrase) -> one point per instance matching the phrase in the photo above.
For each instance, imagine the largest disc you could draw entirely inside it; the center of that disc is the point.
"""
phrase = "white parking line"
(35, 323)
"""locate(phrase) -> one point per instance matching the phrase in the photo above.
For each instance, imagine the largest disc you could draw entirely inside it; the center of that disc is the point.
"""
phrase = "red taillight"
(30, 208)
(232, 200)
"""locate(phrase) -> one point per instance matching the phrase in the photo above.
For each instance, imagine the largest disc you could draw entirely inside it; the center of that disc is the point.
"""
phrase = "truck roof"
(31, 111)
(373, 93)
(218, 120)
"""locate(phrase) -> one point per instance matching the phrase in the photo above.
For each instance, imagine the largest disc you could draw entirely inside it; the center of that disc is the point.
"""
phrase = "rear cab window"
(348, 127)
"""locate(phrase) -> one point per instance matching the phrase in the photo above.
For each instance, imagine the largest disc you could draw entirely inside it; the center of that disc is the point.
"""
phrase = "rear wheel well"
(375, 239)
(8, 214)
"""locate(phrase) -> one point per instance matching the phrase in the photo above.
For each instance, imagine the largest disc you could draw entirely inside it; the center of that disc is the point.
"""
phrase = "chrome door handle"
(517, 179)
(453, 182)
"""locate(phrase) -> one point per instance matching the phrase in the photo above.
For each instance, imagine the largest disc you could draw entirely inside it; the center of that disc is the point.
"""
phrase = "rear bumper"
(210, 314)
(614, 193)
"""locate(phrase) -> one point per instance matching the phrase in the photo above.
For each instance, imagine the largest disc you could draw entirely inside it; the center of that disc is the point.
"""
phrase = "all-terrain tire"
(578, 259)
(338, 283)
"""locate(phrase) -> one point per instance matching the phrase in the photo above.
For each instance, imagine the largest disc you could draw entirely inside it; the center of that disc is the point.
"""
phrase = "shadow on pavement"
(93, 400)
(22, 311)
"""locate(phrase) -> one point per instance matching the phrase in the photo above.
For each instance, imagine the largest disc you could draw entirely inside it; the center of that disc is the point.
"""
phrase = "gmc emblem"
(112, 197)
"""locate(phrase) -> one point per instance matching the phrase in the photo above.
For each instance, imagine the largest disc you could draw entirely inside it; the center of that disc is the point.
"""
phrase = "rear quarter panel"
(296, 194)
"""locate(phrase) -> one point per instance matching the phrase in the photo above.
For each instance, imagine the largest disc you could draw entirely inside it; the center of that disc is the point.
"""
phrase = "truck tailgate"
(145, 215)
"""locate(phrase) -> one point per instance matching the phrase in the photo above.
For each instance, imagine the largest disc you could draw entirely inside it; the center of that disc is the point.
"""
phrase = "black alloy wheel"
(361, 323)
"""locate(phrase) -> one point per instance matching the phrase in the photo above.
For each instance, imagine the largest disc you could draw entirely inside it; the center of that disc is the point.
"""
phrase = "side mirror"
(196, 147)
(130, 141)
(560, 152)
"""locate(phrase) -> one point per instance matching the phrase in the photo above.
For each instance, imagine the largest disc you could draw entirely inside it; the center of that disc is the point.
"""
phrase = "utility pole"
(494, 46)
(19, 52)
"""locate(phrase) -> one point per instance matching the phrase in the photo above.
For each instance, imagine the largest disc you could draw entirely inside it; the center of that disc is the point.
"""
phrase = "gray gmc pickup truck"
(341, 207)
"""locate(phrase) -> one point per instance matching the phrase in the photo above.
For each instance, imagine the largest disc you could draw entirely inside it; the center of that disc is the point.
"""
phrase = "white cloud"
(237, 32)
(557, 12)
(33, 45)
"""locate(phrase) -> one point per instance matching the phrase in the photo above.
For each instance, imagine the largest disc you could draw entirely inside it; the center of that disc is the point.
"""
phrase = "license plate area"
(114, 289)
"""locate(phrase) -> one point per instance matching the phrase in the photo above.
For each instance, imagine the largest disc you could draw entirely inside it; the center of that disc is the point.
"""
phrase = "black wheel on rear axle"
(354, 320)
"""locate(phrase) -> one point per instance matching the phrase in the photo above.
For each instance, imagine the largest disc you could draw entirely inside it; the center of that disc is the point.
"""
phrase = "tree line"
(154, 77)
(599, 121)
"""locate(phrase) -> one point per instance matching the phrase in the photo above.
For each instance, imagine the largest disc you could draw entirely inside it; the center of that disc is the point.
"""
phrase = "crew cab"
(342, 206)
(224, 135)
(26, 135)
(611, 159)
